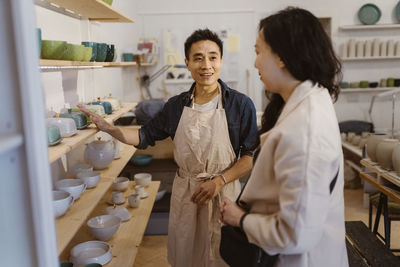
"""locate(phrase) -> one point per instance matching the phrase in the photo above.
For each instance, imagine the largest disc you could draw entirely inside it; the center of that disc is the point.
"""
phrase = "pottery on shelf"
(99, 153)
(372, 142)
(384, 151)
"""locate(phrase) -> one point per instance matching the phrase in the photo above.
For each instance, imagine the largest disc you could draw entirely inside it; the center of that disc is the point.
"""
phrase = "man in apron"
(215, 132)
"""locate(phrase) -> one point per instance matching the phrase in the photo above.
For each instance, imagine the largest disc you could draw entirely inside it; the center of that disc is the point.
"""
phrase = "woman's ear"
(281, 64)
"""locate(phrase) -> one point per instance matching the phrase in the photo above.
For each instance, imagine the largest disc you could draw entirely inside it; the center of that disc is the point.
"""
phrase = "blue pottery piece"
(141, 159)
(101, 52)
(53, 135)
(110, 53)
(128, 57)
(107, 105)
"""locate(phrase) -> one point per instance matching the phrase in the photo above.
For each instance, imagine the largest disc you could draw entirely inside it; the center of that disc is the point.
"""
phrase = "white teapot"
(99, 153)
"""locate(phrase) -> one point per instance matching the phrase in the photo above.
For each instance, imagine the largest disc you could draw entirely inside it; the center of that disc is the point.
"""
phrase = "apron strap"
(219, 105)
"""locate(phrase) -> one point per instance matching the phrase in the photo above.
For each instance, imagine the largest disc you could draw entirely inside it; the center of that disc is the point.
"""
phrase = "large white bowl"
(103, 227)
(91, 252)
(90, 178)
(120, 183)
(61, 202)
(142, 179)
(74, 186)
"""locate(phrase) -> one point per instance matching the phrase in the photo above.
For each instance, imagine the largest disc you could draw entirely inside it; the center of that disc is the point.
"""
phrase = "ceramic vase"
(384, 151)
(372, 142)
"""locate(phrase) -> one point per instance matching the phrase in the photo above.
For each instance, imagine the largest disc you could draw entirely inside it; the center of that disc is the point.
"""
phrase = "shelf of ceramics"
(10, 141)
(69, 143)
(127, 239)
(373, 178)
(369, 27)
(49, 64)
(354, 149)
(390, 176)
(94, 10)
(357, 90)
(79, 212)
(347, 59)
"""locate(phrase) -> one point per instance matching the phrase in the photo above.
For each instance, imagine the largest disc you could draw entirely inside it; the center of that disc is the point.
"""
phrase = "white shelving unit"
(367, 90)
(350, 59)
(369, 27)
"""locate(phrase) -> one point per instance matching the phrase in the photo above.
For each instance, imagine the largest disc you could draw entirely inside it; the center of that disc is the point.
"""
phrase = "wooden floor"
(153, 250)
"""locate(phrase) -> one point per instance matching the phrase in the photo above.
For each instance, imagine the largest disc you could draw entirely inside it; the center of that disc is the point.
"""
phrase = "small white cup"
(134, 200)
(140, 190)
(117, 197)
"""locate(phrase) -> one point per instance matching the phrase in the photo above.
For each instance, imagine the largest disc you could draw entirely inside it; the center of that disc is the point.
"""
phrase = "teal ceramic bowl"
(107, 106)
(93, 45)
(101, 52)
(53, 135)
(128, 57)
(79, 118)
(53, 49)
(369, 14)
(141, 159)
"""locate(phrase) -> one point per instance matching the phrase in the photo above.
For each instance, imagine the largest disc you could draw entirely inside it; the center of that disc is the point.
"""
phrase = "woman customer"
(214, 130)
(293, 202)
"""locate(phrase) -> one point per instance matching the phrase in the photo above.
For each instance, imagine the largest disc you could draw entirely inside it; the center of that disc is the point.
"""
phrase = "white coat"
(291, 210)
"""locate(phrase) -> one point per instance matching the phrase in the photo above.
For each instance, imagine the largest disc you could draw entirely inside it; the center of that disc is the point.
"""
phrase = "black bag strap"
(333, 182)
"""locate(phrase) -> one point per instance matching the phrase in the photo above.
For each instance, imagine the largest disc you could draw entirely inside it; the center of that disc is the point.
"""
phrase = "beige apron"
(202, 149)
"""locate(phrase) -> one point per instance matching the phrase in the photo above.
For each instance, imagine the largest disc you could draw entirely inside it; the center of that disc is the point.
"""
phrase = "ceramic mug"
(117, 197)
(134, 200)
(375, 47)
(352, 48)
(140, 190)
(390, 48)
(368, 48)
(383, 52)
(343, 50)
(360, 49)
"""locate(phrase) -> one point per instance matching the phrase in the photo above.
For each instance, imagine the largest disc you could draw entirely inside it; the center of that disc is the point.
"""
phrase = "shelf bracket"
(58, 9)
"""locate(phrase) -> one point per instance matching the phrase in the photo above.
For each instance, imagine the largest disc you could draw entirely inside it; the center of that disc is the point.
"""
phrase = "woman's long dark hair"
(298, 38)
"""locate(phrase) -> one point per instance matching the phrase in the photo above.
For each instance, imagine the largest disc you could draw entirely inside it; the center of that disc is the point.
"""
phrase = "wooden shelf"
(373, 178)
(347, 59)
(94, 10)
(389, 176)
(69, 143)
(369, 27)
(69, 224)
(357, 90)
(124, 244)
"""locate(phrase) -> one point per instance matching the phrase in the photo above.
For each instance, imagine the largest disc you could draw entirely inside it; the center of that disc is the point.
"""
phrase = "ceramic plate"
(369, 14)
(398, 11)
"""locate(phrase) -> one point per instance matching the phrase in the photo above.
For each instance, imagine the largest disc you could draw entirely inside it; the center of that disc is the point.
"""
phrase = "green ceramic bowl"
(93, 45)
(108, 2)
(53, 49)
(87, 54)
(53, 135)
(364, 84)
(74, 52)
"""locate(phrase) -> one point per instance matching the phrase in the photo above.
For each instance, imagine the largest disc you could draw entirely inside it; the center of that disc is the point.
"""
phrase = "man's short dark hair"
(202, 35)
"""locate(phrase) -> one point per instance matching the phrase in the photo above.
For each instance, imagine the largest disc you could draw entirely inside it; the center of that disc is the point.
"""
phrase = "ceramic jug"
(384, 151)
(99, 153)
(372, 142)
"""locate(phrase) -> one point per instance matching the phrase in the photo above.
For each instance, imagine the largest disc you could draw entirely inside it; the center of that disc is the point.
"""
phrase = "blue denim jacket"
(240, 114)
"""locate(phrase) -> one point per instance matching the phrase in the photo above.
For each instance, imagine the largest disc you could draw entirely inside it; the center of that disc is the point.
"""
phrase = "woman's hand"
(101, 123)
(230, 213)
(207, 191)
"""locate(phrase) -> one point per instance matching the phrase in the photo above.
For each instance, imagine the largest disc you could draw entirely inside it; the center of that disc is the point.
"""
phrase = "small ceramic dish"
(91, 252)
(67, 126)
(107, 105)
(141, 159)
(61, 202)
(53, 135)
(142, 179)
(369, 14)
(120, 184)
(90, 178)
(98, 109)
(73, 186)
(80, 119)
(119, 211)
(80, 167)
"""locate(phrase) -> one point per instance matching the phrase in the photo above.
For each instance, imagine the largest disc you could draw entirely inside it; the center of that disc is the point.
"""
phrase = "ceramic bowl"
(141, 159)
(128, 57)
(93, 45)
(142, 179)
(101, 52)
(369, 14)
(103, 227)
(62, 200)
(91, 252)
(67, 126)
(110, 53)
(53, 135)
(80, 167)
(80, 119)
(119, 211)
(90, 178)
(87, 54)
(53, 49)
(73, 186)
(120, 184)
(74, 52)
